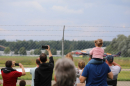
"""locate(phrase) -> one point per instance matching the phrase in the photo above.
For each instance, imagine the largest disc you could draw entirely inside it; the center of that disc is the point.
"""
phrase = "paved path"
(119, 83)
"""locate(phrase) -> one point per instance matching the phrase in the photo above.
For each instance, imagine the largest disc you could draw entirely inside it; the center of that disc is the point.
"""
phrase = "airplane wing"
(81, 53)
(114, 55)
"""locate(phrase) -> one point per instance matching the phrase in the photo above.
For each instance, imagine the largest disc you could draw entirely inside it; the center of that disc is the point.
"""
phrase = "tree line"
(21, 46)
(121, 43)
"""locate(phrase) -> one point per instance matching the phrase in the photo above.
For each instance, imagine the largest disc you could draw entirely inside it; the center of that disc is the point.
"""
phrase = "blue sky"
(115, 13)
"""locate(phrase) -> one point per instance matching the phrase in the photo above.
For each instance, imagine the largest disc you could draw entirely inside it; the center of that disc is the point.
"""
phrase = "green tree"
(32, 52)
(53, 51)
(22, 51)
(37, 52)
(7, 50)
(121, 43)
(16, 51)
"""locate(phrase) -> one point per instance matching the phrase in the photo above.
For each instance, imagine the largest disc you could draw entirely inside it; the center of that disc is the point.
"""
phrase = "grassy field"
(30, 62)
(123, 76)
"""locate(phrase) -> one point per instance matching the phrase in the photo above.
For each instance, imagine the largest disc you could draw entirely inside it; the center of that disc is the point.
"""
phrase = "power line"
(33, 25)
(101, 26)
(70, 26)
(65, 30)
(57, 35)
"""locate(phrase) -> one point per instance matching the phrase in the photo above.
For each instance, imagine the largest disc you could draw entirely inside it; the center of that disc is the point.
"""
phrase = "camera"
(45, 47)
(16, 64)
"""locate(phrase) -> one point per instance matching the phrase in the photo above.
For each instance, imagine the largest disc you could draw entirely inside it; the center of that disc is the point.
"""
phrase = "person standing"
(43, 74)
(10, 75)
(115, 68)
(32, 71)
(81, 65)
(96, 74)
(65, 72)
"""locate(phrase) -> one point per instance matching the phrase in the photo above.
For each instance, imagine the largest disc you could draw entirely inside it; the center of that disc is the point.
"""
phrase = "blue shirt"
(96, 74)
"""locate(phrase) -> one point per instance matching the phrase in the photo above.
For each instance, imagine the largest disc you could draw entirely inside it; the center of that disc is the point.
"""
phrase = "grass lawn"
(30, 62)
(123, 76)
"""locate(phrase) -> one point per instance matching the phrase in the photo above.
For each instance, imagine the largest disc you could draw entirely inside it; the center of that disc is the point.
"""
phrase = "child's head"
(69, 56)
(98, 42)
(81, 64)
(22, 83)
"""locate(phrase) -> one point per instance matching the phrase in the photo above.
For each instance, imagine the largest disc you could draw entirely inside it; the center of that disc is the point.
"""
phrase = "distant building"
(58, 52)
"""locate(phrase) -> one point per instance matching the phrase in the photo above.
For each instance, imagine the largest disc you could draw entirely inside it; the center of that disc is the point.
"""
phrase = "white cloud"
(28, 4)
(52, 1)
(3, 14)
(67, 10)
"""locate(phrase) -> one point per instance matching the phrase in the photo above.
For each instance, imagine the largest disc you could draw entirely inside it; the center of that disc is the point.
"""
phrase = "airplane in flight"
(105, 54)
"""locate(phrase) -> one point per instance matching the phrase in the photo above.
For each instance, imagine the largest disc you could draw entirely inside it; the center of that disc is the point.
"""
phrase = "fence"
(20, 42)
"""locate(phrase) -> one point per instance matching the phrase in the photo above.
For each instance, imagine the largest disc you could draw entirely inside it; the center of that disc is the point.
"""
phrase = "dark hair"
(90, 56)
(99, 42)
(37, 61)
(43, 57)
(22, 83)
(8, 63)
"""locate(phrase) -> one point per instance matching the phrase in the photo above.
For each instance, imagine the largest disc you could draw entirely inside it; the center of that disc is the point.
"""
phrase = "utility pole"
(63, 42)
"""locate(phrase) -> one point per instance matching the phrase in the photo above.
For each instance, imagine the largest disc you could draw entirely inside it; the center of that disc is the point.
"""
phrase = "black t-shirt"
(43, 74)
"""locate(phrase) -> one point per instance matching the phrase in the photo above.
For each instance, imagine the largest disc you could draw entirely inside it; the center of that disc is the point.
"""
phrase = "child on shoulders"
(97, 52)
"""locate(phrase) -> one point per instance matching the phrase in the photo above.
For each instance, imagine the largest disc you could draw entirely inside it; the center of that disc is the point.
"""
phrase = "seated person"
(97, 52)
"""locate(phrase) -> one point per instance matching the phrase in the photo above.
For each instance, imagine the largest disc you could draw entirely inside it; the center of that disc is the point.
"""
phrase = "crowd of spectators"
(96, 73)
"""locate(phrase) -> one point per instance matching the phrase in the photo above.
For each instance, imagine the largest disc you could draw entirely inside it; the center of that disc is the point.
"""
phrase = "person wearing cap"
(115, 68)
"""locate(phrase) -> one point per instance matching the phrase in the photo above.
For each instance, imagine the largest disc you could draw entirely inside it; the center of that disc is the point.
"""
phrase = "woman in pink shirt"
(97, 52)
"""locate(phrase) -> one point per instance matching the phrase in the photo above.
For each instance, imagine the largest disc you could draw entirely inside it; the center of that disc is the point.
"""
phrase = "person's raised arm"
(110, 75)
(51, 61)
(23, 71)
(82, 78)
(115, 64)
(49, 51)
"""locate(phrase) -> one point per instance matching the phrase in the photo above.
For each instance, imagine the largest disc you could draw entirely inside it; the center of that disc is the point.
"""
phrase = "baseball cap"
(109, 58)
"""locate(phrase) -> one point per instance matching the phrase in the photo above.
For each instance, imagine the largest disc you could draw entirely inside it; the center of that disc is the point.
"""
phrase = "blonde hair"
(81, 64)
(99, 42)
(69, 56)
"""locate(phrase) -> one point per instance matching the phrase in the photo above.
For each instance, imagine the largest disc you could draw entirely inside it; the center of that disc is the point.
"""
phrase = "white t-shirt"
(78, 73)
(115, 70)
(32, 71)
